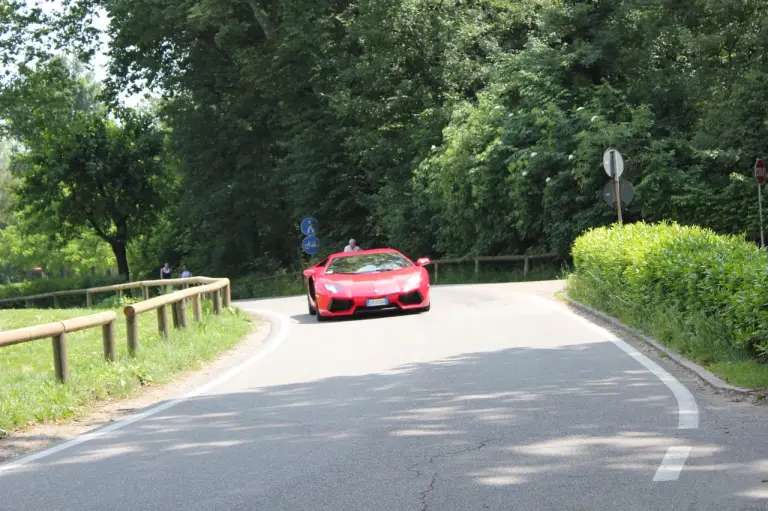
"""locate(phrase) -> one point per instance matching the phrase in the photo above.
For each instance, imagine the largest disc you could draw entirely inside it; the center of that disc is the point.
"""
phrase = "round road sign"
(310, 244)
(626, 190)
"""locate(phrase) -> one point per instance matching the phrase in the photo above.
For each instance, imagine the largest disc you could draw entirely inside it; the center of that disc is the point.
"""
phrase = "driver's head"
(352, 242)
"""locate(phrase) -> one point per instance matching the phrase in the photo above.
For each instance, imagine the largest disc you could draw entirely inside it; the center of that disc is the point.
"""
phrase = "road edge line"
(687, 409)
(705, 376)
(270, 345)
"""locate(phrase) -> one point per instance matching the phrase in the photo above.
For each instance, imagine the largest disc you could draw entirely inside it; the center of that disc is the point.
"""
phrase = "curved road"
(498, 398)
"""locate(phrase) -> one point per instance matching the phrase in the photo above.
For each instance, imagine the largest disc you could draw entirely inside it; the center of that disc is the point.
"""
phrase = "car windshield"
(368, 263)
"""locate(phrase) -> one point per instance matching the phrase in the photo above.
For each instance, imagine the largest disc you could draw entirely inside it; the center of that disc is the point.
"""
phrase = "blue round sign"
(309, 227)
(310, 244)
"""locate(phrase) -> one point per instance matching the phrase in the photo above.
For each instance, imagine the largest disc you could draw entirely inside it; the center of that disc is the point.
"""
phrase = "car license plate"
(377, 302)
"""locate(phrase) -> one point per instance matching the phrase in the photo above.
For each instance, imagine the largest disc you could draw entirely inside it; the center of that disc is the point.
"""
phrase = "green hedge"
(690, 275)
(41, 286)
(267, 286)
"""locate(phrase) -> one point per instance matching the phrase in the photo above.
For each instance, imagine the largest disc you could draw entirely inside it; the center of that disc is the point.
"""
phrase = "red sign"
(760, 171)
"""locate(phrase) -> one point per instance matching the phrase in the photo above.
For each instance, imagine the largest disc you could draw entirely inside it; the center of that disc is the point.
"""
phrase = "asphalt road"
(495, 399)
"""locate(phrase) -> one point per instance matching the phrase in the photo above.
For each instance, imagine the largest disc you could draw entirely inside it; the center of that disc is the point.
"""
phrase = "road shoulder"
(45, 435)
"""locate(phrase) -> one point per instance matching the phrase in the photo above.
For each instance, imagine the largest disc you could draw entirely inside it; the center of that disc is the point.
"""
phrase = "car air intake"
(412, 298)
(337, 305)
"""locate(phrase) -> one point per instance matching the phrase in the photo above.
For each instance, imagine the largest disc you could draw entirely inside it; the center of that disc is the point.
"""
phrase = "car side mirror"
(309, 272)
(423, 261)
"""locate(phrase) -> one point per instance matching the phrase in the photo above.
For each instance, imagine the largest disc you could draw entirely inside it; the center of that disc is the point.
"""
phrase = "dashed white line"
(672, 464)
(285, 327)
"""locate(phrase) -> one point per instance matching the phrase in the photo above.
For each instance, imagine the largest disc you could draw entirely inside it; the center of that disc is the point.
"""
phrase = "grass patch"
(29, 394)
(703, 339)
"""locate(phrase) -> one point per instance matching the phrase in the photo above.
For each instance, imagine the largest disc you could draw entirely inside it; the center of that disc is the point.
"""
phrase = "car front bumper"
(331, 306)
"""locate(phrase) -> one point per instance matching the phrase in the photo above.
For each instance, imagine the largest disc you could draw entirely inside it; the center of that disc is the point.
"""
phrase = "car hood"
(370, 284)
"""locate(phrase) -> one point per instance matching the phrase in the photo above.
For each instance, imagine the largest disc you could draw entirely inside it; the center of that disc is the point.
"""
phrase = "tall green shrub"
(686, 270)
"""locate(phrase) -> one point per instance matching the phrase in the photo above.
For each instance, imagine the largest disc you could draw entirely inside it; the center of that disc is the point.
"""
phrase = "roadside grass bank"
(292, 284)
(696, 292)
(30, 395)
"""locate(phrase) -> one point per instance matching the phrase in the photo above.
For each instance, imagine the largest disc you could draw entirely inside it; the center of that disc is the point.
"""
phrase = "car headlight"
(413, 282)
(333, 288)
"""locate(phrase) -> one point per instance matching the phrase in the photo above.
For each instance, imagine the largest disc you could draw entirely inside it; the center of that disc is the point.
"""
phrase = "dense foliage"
(42, 286)
(83, 166)
(442, 128)
(689, 272)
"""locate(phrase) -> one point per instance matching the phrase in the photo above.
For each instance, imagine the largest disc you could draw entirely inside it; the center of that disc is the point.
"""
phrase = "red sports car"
(349, 283)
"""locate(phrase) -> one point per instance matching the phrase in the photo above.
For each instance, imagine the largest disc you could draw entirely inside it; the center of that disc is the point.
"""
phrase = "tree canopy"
(79, 168)
(441, 128)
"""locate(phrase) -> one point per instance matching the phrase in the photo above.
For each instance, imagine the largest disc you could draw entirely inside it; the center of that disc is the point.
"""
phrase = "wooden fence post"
(437, 272)
(525, 268)
(60, 363)
(181, 312)
(145, 292)
(217, 301)
(55, 301)
(89, 300)
(197, 307)
(477, 267)
(119, 293)
(228, 295)
(28, 304)
(132, 327)
(162, 320)
(110, 346)
(175, 314)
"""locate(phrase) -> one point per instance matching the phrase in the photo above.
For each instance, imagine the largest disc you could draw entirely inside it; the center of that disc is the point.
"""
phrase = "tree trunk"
(121, 254)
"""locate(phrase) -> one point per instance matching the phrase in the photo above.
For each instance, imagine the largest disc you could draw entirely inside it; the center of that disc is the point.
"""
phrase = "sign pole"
(760, 205)
(616, 185)
(760, 176)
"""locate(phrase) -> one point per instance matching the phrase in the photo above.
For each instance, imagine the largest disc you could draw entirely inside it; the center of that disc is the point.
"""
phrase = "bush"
(41, 286)
(699, 280)
(267, 286)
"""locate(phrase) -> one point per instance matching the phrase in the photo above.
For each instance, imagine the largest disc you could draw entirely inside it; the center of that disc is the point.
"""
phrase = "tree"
(6, 181)
(21, 249)
(80, 166)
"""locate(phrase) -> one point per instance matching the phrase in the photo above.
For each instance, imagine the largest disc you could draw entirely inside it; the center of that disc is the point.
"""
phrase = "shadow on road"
(528, 429)
(308, 318)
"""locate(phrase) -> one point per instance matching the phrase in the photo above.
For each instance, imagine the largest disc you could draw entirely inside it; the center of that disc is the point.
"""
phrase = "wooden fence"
(57, 332)
(118, 289)
(218, 289)
(479, 259)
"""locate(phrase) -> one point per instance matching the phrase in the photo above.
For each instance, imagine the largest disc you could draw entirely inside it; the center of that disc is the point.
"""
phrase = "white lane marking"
(672, 464)
(271, 345)
(688, 410)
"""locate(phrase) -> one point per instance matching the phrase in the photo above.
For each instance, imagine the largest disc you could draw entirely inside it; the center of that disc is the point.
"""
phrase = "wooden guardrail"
(145, 285)
(218, 289)
(58, 330)
(177, 300)
(478, 259)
